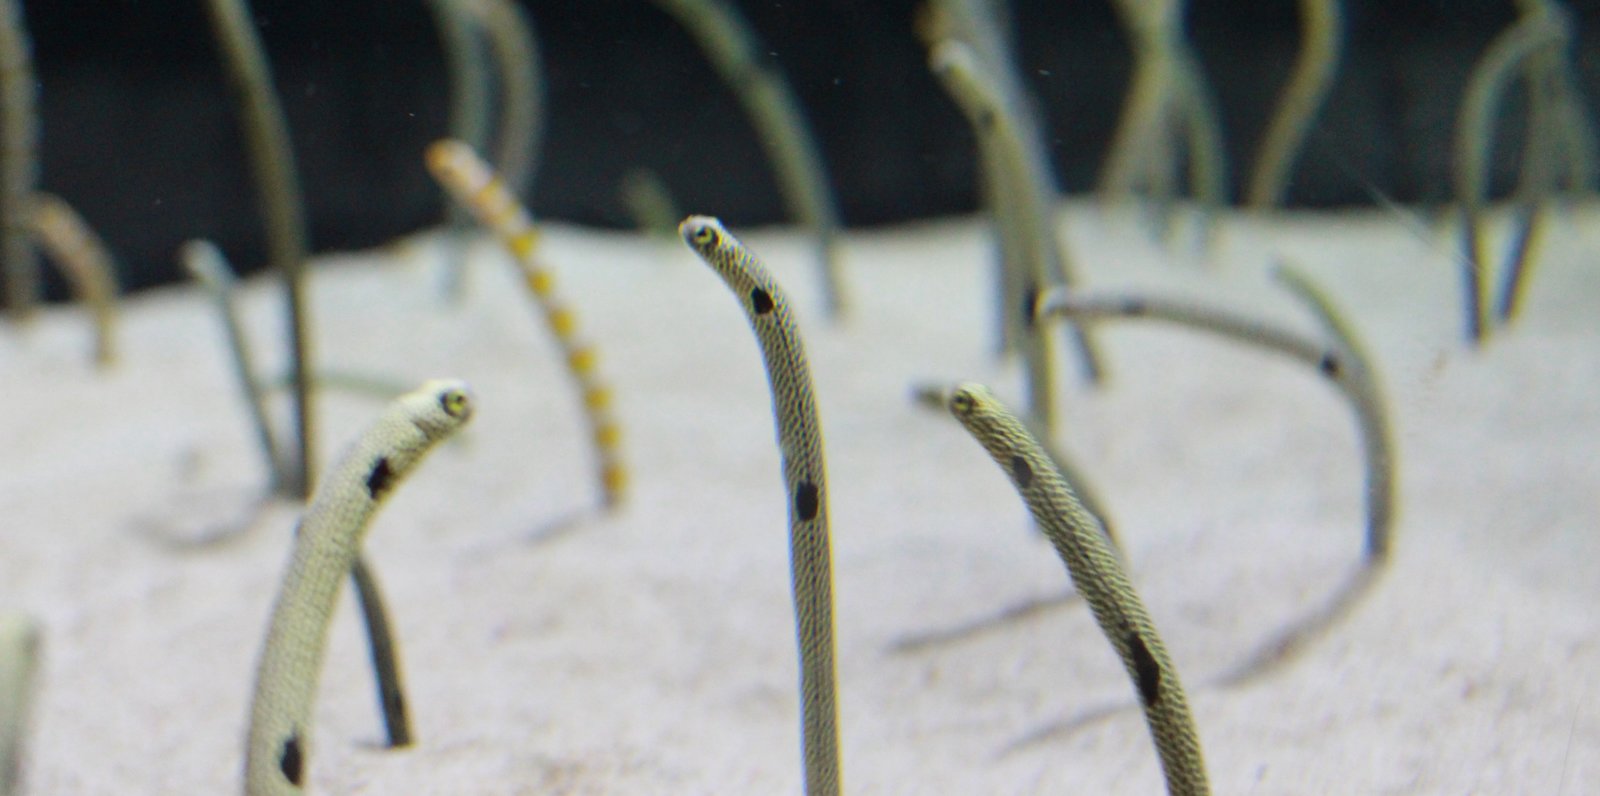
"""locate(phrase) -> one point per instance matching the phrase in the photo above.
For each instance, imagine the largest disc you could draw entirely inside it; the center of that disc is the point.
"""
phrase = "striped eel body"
(474, 184)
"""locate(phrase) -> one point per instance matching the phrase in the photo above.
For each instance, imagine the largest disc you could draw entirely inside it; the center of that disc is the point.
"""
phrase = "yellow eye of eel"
(455, 403)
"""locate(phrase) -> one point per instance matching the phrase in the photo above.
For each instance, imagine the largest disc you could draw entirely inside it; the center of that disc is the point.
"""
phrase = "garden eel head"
(964, 399)
(702, 233)
(442, 156)
(451, 406)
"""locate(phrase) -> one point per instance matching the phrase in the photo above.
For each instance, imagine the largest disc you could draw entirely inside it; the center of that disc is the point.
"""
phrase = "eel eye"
(961, 403)
(454, 403)
(704, 235)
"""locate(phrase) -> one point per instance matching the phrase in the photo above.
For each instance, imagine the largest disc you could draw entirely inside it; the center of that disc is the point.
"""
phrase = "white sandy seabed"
(652, 651)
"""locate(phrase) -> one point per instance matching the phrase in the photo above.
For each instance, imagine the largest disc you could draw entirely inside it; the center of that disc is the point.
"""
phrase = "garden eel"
(469, 77)
(1026, 261)
(977, 24)
(1145, 115)
(325, 548)
(732, 49)
(1570, 117)
(1098, 576)
(1321, 33)
(86, 263)
(515, 49)
(19, 161)
(462, 45)
(1166, 82)
(1207, 155)
(19, 663)
(1031, 211)
(1530, 45)
(1474, 136)
(1558, 150)
(1020, 191)
(1350, 367)
(282, 207)
(459, 169)
(804, 476)
(1557, 112)
(206, 263)
(1344, 363)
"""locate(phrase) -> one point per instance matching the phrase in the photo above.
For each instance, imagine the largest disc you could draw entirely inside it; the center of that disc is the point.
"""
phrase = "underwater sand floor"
(653, 651)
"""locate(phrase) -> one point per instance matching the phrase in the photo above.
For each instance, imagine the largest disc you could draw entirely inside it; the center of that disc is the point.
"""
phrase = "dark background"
(139, 130)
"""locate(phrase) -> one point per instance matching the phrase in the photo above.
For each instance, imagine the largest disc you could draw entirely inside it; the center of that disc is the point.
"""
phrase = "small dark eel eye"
(454, 403)
(706, 235)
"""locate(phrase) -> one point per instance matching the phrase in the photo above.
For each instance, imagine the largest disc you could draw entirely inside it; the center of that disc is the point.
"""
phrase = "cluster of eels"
(1168, 120)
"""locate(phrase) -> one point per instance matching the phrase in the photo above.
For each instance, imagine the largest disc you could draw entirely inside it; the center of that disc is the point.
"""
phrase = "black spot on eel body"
(1144, 665)
(1329, 365)
(1030, 303)
(380, 478)
(760, 301)
(805, 501)
(290, 761)
(1137, 306)
(1021, 471)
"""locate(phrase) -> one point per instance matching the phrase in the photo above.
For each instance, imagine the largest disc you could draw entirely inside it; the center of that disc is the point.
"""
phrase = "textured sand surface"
(652, 651)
